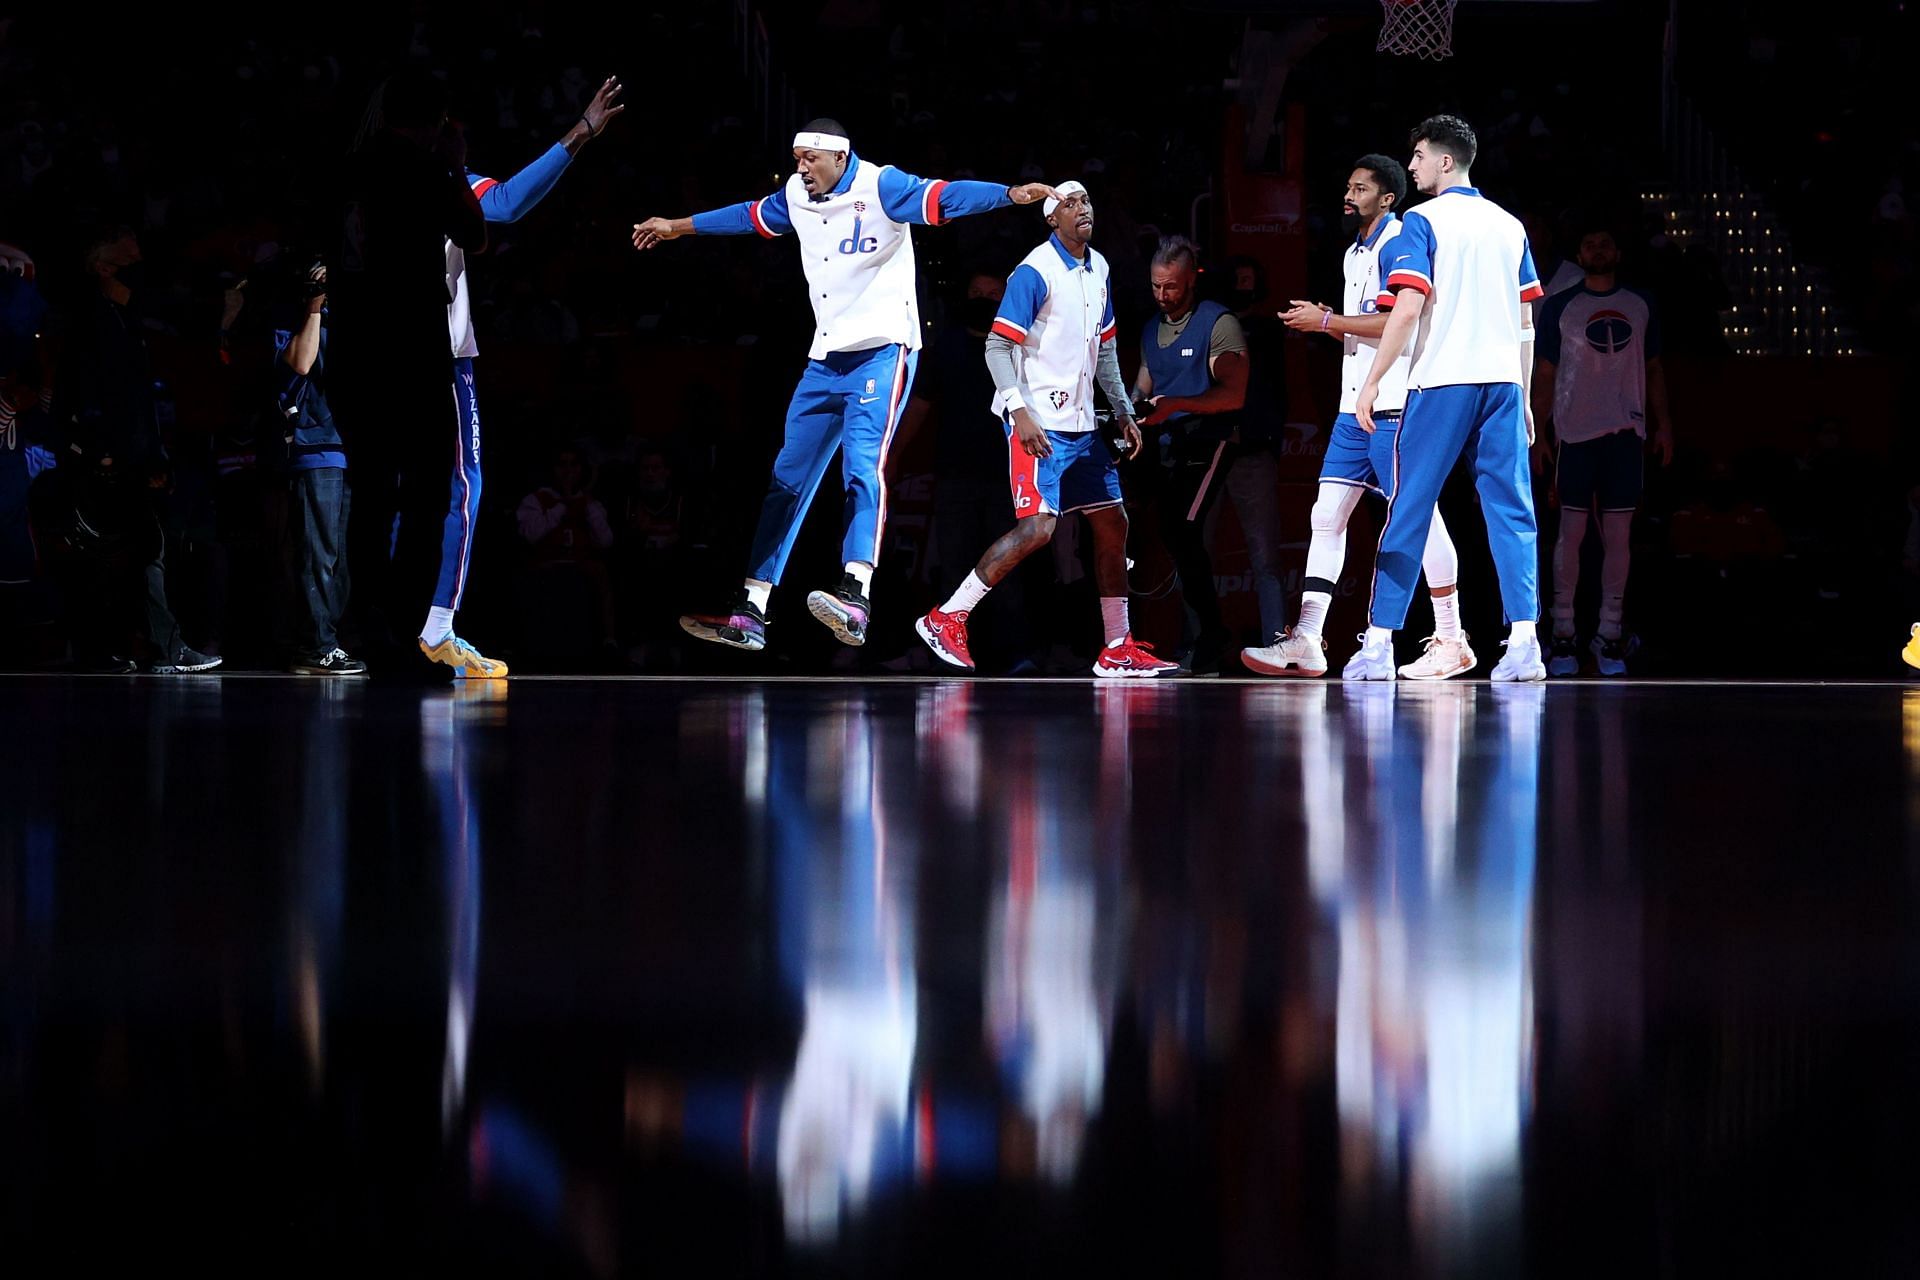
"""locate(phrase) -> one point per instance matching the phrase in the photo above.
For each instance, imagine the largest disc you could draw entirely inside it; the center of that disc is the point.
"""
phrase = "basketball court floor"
(916, 977)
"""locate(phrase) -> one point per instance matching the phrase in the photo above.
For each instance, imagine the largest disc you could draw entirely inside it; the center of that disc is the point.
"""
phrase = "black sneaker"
(334, 662)
(843, 610)
(1209, 651)
(1565, 658)
(185, 662)
(1609, 656)
(104, 664)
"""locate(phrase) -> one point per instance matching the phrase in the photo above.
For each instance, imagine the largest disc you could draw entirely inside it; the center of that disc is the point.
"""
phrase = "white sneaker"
(1289, 655)
(1371, 663)
(1520, 662)
(1444, 659)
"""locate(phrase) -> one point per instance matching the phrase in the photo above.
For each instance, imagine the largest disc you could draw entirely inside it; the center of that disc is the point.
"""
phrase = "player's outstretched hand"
(1130, 433)
(1162, 410)
(653, 231)
(1028, 192)
(605, 106)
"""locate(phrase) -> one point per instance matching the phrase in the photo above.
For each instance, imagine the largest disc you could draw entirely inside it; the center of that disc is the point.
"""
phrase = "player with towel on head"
(1052, 339)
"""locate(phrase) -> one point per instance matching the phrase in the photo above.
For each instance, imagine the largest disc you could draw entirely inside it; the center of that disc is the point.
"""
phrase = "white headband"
(821, 142)
(1068, 188)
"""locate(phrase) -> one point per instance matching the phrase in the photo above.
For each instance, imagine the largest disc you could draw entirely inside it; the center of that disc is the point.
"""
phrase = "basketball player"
(851, 220)
(1052, 340)
(1597, 379)
(1357, 461)
(500, 202)
(1458, 277)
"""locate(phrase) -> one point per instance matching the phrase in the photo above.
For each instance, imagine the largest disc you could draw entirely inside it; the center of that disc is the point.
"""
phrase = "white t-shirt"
(1599, 345)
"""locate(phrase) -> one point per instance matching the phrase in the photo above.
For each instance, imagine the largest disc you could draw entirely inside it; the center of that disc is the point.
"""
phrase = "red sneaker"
(1128, 660)
(946, 635)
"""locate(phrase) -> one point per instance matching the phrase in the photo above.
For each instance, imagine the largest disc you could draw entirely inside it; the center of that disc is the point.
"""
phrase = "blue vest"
(1177, 374)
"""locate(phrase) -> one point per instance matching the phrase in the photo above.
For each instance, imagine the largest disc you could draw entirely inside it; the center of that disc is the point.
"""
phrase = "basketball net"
(1423, 28)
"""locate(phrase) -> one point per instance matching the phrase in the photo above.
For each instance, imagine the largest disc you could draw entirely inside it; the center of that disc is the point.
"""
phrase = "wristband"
(590, 130)
(1326, 318)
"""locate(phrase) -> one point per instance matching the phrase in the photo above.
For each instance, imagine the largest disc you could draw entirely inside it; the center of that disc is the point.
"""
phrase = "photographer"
(303, 447)
(1193, 366)
(96, 515)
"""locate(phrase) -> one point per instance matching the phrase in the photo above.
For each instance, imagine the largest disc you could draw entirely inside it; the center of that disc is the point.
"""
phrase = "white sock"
(439, 625)
(861, 572)
(1522, 632)
(1446, 615)
(968, 597)
(1313, 613)
(758, 594)
(1375, 637)
(1113, 612)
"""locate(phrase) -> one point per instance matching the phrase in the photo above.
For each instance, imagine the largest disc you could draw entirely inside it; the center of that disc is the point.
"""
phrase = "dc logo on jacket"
(856, 243)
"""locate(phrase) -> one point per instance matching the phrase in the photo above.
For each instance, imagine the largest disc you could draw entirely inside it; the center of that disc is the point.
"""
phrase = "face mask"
(979, 313)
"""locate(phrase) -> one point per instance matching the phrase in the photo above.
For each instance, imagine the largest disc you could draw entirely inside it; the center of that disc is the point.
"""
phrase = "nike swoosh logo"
(868, 399)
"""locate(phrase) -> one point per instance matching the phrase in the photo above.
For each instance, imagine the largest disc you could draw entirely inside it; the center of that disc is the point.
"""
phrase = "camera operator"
(300, 446)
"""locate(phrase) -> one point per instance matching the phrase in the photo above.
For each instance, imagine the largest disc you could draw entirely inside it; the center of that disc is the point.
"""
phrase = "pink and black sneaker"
(744, 628)
(843, 611)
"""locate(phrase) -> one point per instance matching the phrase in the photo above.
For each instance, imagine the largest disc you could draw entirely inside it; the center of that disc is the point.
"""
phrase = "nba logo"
(1059, 399)
(869, 386)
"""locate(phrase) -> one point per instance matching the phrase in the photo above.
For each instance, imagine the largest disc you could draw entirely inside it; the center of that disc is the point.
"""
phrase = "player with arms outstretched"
(851, 219)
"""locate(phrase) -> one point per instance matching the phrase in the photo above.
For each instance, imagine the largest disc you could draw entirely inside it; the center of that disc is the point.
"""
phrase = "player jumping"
(851, 220)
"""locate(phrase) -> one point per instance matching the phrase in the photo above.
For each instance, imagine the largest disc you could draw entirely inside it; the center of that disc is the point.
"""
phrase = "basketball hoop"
(1423, 28)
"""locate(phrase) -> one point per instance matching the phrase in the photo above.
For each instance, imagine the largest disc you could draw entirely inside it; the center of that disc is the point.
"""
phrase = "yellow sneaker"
(467, 662)
(1911, 654)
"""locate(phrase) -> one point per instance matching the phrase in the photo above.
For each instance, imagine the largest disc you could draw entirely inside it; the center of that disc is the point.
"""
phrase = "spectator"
(1598, 380)
(655, 550)
(567, 529)
(98, 513)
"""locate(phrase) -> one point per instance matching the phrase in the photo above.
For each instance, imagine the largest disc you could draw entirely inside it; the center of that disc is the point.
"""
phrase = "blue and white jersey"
(1470, 257)
(1362, 268)
(1599, 345)
(855, 246)
(507, 201)
(1058, 309)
